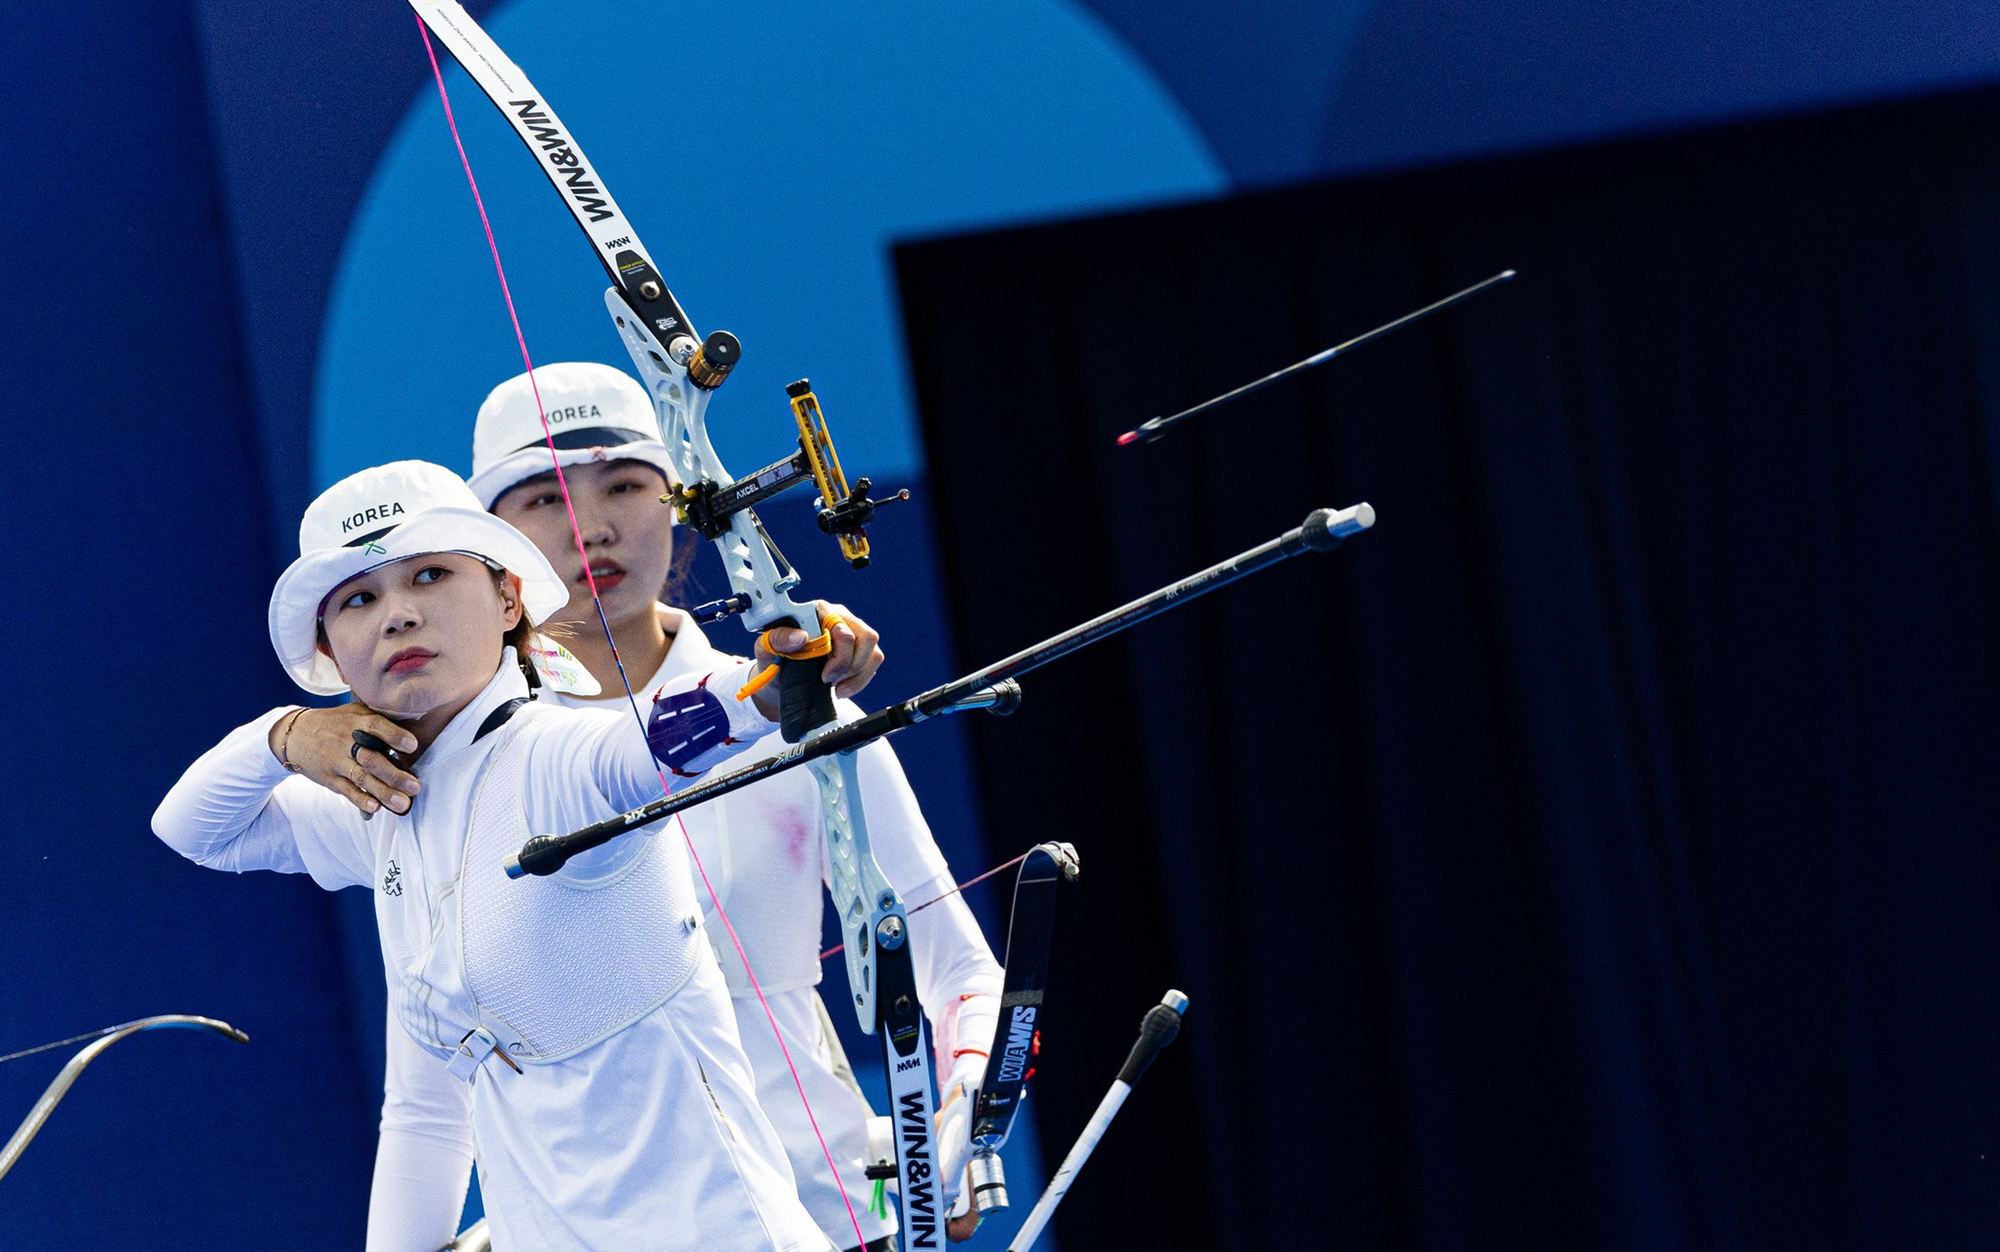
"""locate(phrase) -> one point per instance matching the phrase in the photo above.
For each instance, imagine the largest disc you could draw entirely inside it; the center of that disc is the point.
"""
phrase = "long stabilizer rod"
(990, 688)
(1149, 431)
(1161, 1023)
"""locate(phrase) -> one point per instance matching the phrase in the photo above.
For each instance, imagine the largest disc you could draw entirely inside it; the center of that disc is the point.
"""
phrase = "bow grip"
(804, 702)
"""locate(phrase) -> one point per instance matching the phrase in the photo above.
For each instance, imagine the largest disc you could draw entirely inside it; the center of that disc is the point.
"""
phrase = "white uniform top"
(634, 1121)
(764, 849)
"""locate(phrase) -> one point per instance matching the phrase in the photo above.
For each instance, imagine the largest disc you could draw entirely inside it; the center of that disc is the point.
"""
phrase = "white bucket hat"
(402, 509)
(596, 413)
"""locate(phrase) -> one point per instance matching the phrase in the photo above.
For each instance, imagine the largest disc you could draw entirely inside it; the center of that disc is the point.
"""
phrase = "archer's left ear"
(510, 599)
(322, 647)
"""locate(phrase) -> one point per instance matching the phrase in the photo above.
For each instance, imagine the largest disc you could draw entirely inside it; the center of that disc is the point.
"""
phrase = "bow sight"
(844, 511)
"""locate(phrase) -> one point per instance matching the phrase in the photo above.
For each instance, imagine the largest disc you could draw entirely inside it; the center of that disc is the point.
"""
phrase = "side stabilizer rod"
(1156, 1030)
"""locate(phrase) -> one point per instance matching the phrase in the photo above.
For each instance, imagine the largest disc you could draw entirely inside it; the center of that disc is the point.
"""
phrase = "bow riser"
(751, 561)
(862, 896)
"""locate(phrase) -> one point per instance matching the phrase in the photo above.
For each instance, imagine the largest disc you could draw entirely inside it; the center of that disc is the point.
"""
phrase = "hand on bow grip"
(812, 669)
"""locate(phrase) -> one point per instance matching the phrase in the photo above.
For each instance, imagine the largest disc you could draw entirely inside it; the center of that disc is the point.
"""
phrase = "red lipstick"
(409, 661)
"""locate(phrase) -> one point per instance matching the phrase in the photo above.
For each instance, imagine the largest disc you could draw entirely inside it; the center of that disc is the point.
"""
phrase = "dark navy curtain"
(1600, 853)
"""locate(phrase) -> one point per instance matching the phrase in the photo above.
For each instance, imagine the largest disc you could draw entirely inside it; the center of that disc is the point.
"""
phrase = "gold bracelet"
(285, 743)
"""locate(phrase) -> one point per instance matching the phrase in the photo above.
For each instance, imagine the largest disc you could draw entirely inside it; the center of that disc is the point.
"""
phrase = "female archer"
(584, 1015)
(763, 847)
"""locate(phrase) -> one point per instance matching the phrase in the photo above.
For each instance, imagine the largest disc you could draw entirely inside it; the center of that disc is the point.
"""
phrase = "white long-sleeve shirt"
(424, 1156)
(764, 849)
(634, 1121)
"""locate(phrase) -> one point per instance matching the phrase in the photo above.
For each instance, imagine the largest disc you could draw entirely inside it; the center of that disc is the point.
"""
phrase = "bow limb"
(32, 1125)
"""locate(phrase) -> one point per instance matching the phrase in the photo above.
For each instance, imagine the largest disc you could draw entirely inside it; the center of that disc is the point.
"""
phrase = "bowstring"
(632, 700)
(44, 1047)
(939, 899)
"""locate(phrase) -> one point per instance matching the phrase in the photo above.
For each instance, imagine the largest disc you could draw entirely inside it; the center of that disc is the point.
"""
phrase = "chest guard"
(549, 966)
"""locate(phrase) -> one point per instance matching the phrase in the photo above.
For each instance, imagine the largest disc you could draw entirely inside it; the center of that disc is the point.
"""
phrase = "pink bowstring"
(576, 530)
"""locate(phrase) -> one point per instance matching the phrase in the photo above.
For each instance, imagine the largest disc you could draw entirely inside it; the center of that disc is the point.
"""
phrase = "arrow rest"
(716, 610)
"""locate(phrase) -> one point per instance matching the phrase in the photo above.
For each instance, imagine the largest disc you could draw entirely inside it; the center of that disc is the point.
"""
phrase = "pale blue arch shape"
(768, 168)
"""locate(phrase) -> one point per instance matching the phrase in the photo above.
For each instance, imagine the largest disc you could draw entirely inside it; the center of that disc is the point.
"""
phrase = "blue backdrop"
(236, 219)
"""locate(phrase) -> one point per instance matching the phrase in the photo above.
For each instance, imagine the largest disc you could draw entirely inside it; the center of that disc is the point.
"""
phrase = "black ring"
(354, 753)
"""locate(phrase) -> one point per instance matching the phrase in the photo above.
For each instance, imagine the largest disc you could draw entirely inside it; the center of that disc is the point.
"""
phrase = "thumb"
(787, 639)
